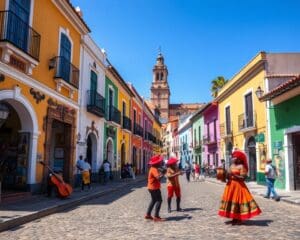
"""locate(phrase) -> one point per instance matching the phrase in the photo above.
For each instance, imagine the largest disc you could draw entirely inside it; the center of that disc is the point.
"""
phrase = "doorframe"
(289, 157)
(62, 114)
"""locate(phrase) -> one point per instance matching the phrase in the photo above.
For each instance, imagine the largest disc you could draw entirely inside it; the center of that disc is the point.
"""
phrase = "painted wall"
(198, 124)
(92, 59)
(283, 116)
(235, 99)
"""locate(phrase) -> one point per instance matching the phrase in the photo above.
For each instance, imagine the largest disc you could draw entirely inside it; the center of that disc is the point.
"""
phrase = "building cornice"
(31, 82)
(67, 9)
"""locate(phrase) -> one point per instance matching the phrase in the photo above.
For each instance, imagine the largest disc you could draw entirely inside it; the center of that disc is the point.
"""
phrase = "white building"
(92, 103)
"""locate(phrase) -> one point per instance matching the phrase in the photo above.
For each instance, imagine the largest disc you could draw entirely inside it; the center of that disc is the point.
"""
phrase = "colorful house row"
(60, 98)
(256, 112)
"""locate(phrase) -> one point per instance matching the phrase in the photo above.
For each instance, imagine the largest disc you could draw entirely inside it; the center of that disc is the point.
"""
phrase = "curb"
(60, 207)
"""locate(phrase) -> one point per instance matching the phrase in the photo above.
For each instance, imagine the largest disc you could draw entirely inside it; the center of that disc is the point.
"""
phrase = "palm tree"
(217, 84)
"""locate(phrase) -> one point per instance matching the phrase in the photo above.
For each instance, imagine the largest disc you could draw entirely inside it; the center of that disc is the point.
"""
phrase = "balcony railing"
(65, 70)
(226, 129)
(137, 130)
(95, 103)
(126, 123)
(209, 139)
(247, 122)
(113, 114)
(17, 32)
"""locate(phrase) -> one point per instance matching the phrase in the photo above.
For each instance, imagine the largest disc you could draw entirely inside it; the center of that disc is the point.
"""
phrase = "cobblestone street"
(120, 216)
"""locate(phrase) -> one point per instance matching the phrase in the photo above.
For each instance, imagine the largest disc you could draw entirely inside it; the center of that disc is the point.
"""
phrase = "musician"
(154, 177)
(173, 185)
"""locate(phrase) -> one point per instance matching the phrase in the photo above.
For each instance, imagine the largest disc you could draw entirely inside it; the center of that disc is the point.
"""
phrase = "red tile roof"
(285, 87)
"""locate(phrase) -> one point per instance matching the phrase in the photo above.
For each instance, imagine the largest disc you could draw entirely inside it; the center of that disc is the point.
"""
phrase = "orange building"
(39, 80)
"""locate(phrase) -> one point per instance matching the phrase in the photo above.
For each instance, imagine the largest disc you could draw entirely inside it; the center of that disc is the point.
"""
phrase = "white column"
(31, 174)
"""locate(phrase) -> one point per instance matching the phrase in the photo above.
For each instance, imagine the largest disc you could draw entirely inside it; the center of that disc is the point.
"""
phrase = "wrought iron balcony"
(247, 122)
(137, 130)
(226, 129)
(95, 103)
(126, 123)
(17, 32)
(113, 114)
(65, 70)
(209, 139)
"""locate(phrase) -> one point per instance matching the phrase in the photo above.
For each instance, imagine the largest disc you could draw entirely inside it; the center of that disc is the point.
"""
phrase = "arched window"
(161, 76)
(157, 76)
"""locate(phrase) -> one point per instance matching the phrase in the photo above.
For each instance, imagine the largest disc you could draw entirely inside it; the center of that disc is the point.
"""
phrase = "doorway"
(14, 147)
(123, 155)
(252, 158)
(296, 160)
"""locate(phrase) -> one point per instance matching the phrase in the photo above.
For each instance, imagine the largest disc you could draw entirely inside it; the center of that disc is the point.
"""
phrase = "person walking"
(153, 186)
(79, 166)
(237, 202)
(106, 168)
(188, 169)
(86, 174)
(271, 175)
(197, 171)
(173, 185)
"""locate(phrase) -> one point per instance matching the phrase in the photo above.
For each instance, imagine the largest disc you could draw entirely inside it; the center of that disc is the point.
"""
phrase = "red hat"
(155, 159)
(242, 157)
(172, 160)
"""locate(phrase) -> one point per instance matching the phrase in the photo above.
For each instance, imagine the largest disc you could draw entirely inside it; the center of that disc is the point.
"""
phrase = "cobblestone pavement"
(120, 216)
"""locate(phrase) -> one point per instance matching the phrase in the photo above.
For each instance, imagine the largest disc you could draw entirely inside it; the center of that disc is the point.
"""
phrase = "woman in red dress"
(237, 202)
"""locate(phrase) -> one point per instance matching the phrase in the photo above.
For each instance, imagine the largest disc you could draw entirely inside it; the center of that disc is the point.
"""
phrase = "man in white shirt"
(106, 167)
(271, 174)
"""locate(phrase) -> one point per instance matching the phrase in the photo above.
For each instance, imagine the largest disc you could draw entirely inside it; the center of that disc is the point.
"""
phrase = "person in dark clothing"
(154, 177)
(188, 169)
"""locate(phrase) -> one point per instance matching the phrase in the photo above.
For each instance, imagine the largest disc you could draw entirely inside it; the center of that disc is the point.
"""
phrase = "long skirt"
(86, 177)
(237, 202)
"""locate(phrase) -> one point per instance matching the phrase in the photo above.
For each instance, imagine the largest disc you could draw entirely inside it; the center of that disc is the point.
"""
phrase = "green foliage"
(217, 84)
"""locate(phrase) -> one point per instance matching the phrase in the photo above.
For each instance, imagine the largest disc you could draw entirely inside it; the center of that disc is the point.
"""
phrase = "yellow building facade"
(124, 130)
(243, 123)
(39, 68)
(156, 143)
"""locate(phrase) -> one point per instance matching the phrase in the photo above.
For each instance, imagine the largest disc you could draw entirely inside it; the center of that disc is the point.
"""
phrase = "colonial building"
(92, 104)
(244, 120)
(39, 67)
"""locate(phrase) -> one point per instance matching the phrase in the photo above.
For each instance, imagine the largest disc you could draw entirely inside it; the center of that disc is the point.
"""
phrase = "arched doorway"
(110, 153)
(251, 149)
(134, 158)
(15, 146)
(123, 155)
(91, 150)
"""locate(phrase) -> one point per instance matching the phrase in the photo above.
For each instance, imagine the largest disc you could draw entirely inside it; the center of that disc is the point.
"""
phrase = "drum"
(221, 174)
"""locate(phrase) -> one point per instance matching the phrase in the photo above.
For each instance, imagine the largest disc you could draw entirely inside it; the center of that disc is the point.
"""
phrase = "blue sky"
(200, 39)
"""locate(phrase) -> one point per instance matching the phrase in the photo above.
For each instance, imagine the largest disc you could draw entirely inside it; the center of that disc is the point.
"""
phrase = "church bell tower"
(160, 91)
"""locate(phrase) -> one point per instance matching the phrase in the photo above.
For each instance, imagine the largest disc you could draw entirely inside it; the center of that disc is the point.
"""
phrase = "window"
(195, 131)
(161, 76)
(18, 22)
(228, 120)
(94, 81)
(157, 76)
(110, 103)
(249, 110)
(65, 57)
(124, 109)
(215, 130)
(199, 134)
(134, 116)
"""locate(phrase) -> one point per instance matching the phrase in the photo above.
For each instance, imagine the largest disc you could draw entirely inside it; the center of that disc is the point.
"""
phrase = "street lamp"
(4, 112)
(259, 92)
